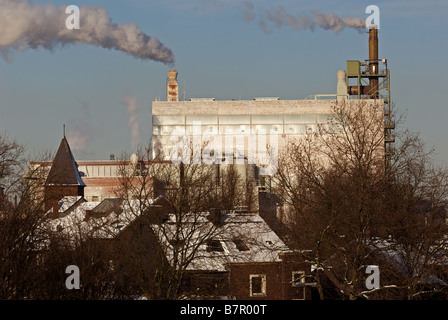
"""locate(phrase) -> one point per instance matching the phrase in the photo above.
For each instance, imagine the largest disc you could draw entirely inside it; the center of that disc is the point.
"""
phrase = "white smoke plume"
(80, 131)
(30, 26)
(281, 18)
(133, 109)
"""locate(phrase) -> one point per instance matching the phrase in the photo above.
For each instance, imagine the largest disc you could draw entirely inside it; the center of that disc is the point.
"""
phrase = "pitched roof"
(64, 170)
(242, 238)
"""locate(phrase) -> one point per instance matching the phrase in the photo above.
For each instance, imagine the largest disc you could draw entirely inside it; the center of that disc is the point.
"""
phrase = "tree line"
(341, 201)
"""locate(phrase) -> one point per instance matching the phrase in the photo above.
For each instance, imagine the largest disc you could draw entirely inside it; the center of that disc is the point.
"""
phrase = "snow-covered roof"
(67, 202)
(240, 238)
(77, 226)
(395, 253)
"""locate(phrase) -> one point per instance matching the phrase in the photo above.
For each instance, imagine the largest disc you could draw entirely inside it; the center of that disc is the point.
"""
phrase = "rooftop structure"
(64, 169)
(63, 179)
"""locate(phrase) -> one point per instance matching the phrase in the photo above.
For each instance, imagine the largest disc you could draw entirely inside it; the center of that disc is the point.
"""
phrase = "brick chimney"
(172, 90)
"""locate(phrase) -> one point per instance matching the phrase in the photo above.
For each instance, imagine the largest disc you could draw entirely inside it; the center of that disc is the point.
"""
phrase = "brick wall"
(277, 277)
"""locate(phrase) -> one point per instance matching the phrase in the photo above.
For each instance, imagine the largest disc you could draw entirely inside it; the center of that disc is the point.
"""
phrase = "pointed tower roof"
(64, 170)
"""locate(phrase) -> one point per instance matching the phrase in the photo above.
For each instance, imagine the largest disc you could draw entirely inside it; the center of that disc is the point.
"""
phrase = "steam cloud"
(279, 17)
(29, 26)
(132, 111)
(79, 131)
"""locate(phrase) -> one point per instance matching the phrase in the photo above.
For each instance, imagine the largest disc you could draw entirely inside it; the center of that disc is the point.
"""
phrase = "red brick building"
(288, 279)
(244, 259)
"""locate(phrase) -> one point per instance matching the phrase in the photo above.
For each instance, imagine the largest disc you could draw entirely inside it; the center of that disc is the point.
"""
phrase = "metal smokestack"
(370, 70)
(373, 61)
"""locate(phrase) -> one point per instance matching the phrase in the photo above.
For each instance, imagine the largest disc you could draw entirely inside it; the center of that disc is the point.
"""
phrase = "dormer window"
(240, 245)
(214, 245)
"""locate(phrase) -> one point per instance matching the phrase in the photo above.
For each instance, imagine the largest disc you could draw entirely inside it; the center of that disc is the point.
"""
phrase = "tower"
(63, 178)
(372, 81)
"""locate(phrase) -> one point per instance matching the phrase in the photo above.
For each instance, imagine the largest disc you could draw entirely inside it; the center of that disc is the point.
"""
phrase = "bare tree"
(340, 196)
(176, 204)
(20, 216)
(34, 257)
(417, 227)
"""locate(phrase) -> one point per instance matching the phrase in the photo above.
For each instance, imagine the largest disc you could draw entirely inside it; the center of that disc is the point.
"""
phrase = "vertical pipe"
(373, 61)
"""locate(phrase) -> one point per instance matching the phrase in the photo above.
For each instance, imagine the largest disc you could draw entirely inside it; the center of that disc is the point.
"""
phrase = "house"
(213, 254)
(239, 253)
(235, 257)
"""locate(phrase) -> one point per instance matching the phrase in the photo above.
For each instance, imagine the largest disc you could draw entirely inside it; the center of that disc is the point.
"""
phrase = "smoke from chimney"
(134, 124)
(30, 26)
(281, 18)
(79, 134)
(80, 131)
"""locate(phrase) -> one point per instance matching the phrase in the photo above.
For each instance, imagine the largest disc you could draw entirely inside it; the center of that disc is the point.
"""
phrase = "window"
(257, 285)
(298, 278)
(298, 281)
(111, 265)
(240, 245)
(214, 245)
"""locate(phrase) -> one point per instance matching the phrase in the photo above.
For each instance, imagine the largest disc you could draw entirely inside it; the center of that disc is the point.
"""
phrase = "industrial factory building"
(263, 126)
(251, 133)
(246, 132)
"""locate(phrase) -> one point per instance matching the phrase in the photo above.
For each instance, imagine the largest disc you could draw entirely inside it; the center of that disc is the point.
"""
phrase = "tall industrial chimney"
(371, 71)
(172, 89)
(373, 62)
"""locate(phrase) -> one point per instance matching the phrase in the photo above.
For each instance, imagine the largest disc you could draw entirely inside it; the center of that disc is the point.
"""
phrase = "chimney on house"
(88, 215)
(172, 89)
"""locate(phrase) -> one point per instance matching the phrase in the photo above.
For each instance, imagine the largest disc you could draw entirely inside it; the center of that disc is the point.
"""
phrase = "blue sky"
(218, 53)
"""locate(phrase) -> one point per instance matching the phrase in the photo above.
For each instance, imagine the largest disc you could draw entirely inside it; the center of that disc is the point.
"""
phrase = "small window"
(240, 245)
(214, 245)
(257, 285)
(298, 279)
(111, 265)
